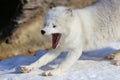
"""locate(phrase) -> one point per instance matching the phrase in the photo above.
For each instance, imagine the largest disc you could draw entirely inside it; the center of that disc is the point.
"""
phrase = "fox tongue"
(55, 40)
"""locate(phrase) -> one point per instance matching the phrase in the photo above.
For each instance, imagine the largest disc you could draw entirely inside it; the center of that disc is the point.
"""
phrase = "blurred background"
(21, 22)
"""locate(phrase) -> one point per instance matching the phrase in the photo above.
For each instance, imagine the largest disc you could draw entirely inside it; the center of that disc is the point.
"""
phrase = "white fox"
(77, 30)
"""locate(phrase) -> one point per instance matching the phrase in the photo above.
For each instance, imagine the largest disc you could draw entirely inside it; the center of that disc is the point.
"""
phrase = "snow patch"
(90, 66)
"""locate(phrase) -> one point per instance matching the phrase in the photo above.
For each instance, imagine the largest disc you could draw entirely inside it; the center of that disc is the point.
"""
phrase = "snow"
(90, 66)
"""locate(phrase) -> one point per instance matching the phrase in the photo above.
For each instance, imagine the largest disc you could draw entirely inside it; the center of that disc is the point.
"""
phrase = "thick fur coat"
(79, 30)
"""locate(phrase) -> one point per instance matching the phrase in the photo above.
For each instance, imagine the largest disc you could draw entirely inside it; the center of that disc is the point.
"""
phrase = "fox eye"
(54, 26)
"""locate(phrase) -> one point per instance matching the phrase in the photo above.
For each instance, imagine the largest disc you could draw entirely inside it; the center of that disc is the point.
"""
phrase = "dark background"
(7, 11)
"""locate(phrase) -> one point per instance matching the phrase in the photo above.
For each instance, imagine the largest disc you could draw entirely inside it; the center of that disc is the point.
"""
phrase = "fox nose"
(42, 32)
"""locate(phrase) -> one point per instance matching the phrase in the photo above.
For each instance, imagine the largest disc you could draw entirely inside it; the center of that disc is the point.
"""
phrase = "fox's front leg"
(49, 56)
(70, 59)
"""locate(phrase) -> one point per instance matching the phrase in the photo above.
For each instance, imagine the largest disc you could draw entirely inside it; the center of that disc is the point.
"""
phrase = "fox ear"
(69, 11)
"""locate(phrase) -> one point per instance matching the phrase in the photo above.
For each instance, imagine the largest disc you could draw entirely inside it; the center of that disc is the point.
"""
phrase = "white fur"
(83, 29)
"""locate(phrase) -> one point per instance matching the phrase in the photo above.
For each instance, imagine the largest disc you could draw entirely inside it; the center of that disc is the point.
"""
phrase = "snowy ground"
(90, 66)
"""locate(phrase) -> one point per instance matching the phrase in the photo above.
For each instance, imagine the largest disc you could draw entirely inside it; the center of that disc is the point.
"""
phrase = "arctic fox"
(77, 30)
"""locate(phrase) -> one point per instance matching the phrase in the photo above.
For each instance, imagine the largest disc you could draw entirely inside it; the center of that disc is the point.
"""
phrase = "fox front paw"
(26, 69)
(51, 72)
(47, 73)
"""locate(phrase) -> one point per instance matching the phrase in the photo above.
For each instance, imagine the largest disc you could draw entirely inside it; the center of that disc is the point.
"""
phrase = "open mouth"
(55, 39)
